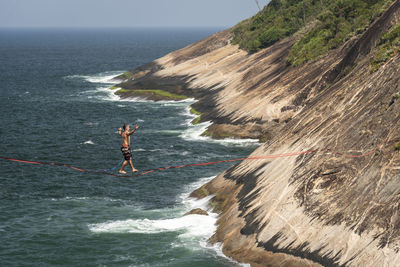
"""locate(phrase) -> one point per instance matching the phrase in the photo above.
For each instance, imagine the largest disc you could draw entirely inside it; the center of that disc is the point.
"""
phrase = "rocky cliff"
(338, 205)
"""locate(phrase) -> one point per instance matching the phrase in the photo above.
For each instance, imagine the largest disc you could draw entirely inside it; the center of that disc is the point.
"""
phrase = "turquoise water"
(56, 107)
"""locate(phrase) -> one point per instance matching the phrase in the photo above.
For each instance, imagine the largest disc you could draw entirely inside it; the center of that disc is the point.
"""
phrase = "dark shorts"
(126, 152)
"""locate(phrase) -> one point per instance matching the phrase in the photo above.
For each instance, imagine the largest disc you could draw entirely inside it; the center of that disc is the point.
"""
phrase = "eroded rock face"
(233, 89)
(337, 205)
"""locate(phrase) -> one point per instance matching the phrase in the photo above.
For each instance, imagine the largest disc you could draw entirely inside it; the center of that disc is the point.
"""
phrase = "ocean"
(56, 107)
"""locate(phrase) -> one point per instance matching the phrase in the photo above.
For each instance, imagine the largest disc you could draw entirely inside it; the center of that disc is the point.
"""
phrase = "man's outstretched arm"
(134, 129)
(120, 131)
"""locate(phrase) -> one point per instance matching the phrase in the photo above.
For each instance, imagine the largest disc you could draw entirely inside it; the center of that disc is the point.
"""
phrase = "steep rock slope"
(324, 207)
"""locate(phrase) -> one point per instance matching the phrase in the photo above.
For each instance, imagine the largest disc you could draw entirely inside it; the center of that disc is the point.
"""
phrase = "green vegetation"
(221, 200)
(396, 96)
(280, 18)
(157, 93)
(126, 75)
(124, 91)
(206, 133)
(162, 93)
(196, 121)
(340, 20)
(202, 192)
(215, 135)
(114, 87)
(389, 46)
(195, 112)
(333, 22)
(397, 146)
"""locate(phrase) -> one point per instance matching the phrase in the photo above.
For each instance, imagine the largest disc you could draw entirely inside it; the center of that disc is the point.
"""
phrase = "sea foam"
(193, 133)
(103, 77)
(89, 142)
(193, 230)
(190, 225)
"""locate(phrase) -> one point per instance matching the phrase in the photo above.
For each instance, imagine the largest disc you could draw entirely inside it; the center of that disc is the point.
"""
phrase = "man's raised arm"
(120, 131)
(134, 129)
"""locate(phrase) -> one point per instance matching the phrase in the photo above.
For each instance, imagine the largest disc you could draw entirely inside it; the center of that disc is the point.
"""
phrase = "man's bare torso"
(126, 139)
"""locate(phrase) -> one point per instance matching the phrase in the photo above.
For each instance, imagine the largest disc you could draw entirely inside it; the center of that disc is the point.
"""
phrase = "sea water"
(56, 107)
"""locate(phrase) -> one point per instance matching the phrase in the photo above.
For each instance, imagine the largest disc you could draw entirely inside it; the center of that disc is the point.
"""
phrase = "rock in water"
(197, 211)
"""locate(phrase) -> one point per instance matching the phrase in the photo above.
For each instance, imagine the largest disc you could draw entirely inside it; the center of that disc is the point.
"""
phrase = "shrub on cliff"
(389, 45)
(334, 22)
(397, 146)
(341, 20)
(280, 18)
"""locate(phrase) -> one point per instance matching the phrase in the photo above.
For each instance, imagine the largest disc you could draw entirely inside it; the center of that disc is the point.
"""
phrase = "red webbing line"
(44, 163)
(23, 161)
(76, 169)
(241, 159)
(251, 158)
(201, 164)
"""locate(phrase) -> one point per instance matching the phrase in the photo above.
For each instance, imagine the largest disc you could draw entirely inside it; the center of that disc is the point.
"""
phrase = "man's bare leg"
(133, 168)
(122, 167)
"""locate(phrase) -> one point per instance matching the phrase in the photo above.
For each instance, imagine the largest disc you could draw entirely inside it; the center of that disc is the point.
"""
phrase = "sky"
(125, 13)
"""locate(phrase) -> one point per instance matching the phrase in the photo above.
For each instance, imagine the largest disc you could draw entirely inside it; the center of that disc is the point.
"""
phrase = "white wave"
(194, 230)
(157, 149)
(103, 77)
(100, 93)
(184, 102)
(187, 113)
(191, 225)
(105, 94)
(89, 142)
(191, 203)
(69, 198)
(91, 123)
(193, 133)
(91, 201)
(168, 132)
(107, 199)
(217, 247)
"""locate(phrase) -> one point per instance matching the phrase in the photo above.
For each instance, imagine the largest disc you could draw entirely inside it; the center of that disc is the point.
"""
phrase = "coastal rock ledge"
(197, 211)
(338, 202)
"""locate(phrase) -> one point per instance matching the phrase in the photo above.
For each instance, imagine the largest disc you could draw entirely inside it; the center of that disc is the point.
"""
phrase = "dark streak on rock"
(249, 182)
(301, 251)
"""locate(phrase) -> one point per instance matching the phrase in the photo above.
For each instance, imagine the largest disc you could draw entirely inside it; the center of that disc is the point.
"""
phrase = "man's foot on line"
(123, 172)
(135, 170)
